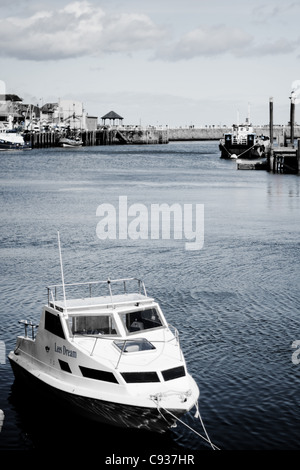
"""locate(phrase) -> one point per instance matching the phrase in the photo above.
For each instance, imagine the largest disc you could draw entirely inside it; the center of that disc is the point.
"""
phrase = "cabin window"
(64, 366)
(53, 324)
(97, 374)
(141, 320)
(93, 325)
(174, 373)
(131, 345)
(140, 377)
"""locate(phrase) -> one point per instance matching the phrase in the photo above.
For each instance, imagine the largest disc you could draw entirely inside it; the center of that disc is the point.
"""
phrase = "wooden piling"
(286, 160)
(271, 156)
(104, 136)
(292, 121)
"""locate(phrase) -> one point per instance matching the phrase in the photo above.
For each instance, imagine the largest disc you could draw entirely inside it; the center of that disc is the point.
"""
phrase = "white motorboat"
(70, 142)
(112, 358)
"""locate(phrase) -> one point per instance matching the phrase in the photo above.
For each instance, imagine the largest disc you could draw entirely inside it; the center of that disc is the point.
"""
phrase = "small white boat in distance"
(111, 356)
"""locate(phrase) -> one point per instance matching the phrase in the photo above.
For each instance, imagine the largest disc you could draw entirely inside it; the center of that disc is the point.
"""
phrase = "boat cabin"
(115, 316)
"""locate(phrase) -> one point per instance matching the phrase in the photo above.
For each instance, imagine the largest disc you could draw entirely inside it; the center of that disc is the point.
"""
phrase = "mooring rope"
(247, 150)
(214, 447)
(197, 415)
(207, 439)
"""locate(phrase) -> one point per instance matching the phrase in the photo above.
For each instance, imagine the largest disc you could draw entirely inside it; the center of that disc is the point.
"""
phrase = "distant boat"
(70, 142)
(12, 140)
(243, 142)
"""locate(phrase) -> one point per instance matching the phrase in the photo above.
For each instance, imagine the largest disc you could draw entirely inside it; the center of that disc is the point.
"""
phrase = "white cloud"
(78, 29)
(82, 28)
(134, 30)
(207, 41)
(219, 40)
(267, 13)
(271, 48)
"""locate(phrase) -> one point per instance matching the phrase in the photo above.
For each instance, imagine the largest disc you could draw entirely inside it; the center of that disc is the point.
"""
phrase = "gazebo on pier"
(112, 117)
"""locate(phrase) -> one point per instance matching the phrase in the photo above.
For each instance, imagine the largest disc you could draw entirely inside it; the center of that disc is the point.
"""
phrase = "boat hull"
(112, 413)
(7, 145)
(11, 140)
(66, 143)
(239, 151)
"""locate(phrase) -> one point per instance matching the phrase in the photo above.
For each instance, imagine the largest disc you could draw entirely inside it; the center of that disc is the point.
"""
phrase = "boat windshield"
(141, 320)
(92, 325)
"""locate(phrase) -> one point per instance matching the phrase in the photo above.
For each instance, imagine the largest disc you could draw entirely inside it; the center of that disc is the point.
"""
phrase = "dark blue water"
(235, 302)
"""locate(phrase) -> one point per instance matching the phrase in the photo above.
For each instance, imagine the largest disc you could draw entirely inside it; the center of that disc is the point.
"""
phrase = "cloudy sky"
(174, 62)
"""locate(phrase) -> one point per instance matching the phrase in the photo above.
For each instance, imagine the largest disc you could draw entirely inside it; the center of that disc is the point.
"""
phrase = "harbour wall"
(152, 135)
(104, 136)
(216, 133)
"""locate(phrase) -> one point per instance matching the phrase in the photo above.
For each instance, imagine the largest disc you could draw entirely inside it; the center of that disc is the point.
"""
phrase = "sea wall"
(153, 135)
(216, 133)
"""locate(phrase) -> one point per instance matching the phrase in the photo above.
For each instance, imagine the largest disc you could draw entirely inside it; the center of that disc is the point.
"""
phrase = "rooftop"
(10, 98)
(112, 115)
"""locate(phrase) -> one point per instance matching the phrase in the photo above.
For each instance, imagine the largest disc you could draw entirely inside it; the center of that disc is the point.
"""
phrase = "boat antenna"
(61, 268)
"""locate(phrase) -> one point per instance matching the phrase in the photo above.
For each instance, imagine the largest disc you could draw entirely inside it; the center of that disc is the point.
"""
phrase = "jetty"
(261, 164)
(126, 135)
(113, 135)
(285, 160)
(280, 160)
(285, 157)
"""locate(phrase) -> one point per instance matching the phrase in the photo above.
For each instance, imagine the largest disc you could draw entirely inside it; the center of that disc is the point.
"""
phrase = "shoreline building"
(10, 111)
(68, 114)
(60, 116)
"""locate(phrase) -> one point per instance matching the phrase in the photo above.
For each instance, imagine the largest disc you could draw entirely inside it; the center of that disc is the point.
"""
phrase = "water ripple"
(235, 302)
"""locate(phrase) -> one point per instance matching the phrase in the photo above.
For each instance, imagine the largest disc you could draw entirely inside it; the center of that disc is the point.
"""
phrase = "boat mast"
(248, 117)
(62, 272)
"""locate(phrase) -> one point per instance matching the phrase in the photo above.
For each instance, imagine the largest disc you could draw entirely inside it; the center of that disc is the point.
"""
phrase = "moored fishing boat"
(12, 140)
(112, 358)
(243, 142)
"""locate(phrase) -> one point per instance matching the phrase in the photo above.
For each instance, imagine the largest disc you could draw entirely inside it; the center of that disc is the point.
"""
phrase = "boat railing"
(26, 325)
(55, 292)
(127, 341)
(176, 335)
